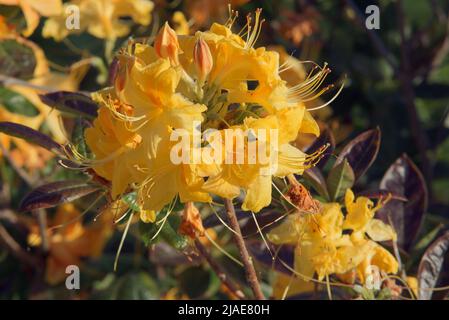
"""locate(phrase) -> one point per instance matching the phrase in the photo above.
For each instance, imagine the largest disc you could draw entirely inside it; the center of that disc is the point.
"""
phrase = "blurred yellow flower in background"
(101, 18)
(33, 9)
(70, 241)
(42, 80)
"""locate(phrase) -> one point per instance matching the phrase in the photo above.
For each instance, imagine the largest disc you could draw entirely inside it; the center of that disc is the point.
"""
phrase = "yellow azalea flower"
(256, 179)
(110, 139)
(33, 9)
(71, 240)
(182, 81)
(321, 247)
(360, 219)
(101, 18)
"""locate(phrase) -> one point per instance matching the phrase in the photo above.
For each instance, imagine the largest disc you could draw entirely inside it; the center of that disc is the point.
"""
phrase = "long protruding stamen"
(233, 15)
(330, 101)
(254, 32)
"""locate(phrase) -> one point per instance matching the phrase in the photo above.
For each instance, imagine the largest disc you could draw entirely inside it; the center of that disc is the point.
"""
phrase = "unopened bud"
(203, 59)
(167, 45)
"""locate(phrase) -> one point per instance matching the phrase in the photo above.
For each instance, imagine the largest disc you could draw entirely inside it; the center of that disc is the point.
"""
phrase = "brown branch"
(224, 278)
(250, 272)
(406, 78)
(375, 39)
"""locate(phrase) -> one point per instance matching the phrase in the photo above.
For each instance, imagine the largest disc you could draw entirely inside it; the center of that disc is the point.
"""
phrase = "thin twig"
(10, 81)
(22, 173)
(250, 272)
(15, 249)
(224, 278)
(40, 214)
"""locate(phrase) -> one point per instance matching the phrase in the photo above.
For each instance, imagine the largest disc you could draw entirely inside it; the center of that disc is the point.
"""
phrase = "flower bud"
(167, 45)
(202, 59)
(191, 224)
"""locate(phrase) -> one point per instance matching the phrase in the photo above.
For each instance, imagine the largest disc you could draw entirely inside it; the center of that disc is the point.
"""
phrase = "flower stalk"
(250, 271)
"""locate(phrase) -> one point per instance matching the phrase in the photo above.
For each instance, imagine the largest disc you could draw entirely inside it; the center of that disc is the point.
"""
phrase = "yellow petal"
(384, 260)
(287, 232)
(258, 195)
(360, 212)
(31, 17)
(46, 8)
(377, 230)
(309, 125)
(147, 216)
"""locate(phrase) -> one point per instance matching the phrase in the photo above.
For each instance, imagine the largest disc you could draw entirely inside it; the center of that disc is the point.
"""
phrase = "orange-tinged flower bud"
(191, 224)
(202, 58)
(167, 45)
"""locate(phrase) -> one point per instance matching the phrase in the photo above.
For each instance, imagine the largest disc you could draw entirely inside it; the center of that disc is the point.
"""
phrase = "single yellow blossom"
(71, 241)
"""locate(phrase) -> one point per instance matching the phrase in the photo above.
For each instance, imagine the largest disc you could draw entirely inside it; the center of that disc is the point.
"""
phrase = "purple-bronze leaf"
(404, 179)
(55, 193)
(31, 135)
(361, 152)
(326, 137)
(71, 102)
(431, 265)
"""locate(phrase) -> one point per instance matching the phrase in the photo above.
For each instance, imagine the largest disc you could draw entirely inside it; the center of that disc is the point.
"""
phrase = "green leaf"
(17, 103)
(195, 281)
(78, 139)
(168, 232)
(340, 179)
(131, 286)
(17, 60)
(315, 178)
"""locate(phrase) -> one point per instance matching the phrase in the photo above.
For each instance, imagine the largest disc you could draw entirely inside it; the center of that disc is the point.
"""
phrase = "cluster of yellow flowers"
(329, 242)
(101, 18)
(204, 78)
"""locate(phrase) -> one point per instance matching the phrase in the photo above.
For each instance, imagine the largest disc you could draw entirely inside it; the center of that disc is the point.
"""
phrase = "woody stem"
(225, 279)
(250, 272)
